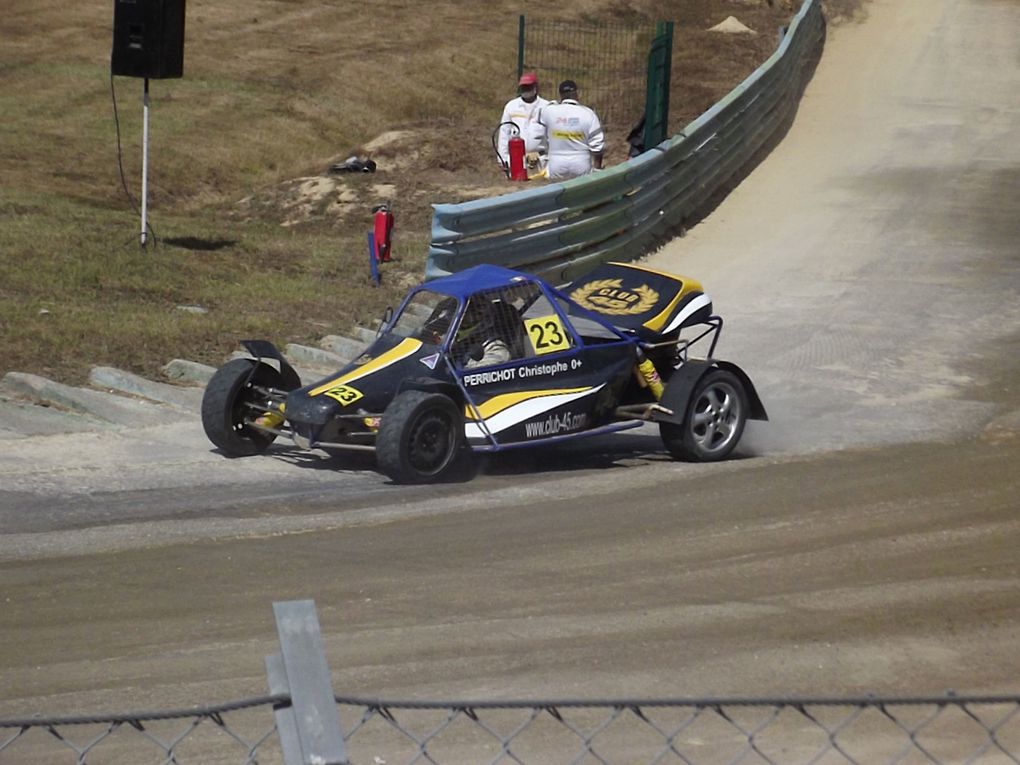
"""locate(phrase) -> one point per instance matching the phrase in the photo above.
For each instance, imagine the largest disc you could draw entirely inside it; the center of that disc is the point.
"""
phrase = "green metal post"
(660, 64)
(667, 79)
(520, 46)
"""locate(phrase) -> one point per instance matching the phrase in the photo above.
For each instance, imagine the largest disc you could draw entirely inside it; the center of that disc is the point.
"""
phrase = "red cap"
(528, 78)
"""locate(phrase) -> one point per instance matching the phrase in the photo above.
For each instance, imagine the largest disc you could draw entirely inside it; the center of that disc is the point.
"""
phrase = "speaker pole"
(145, 162)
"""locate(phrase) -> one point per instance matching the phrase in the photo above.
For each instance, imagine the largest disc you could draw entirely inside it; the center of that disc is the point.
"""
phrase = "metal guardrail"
(300, 724)
(563, 230)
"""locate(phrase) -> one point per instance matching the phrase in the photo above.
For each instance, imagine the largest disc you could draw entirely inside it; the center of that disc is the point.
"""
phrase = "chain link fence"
(303, 722)
(238, 732)
(609, 63)
(692, 731)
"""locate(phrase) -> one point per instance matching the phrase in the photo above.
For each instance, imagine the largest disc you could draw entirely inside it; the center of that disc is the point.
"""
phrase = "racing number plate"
(345, 394)
(547, 334)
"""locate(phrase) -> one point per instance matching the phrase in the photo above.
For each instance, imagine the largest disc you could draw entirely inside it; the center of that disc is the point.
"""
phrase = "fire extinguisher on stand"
(382, 229)
(514, 168)
(380, 240)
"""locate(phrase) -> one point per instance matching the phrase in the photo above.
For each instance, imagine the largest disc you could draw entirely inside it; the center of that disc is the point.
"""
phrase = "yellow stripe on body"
(658, 321)
(695, 284)
(407, 347)
(497, 404)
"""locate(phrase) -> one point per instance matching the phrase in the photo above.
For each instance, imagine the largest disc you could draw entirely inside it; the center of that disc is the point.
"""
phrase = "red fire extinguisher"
(514, 168)
(515, 147)
(382, 229)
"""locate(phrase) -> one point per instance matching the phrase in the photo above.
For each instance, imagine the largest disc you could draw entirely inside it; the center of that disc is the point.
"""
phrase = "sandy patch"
(732, 26)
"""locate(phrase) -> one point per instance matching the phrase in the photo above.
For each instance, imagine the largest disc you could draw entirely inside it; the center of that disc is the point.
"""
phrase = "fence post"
(520, 46)
(660, 64)
(309, 727)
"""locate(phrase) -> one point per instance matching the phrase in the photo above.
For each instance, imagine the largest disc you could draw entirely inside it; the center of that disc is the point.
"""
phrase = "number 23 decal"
(547, 334)
(345, 394)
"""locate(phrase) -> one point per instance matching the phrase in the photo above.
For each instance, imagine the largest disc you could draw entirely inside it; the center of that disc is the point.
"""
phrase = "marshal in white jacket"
(573, 134)
(525, 116)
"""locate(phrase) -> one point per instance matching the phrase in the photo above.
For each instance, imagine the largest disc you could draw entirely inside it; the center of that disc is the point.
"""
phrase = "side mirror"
(386, 319)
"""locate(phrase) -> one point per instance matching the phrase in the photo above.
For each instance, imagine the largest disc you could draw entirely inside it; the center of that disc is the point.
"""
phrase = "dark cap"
(568, 86)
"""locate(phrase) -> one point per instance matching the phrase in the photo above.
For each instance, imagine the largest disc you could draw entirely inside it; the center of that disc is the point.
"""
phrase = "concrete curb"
(364, 335)
(35, 406)
(108, 378)
(114, 409)
(342, 346)
(188, 371)
(316, 357)
(22, 419)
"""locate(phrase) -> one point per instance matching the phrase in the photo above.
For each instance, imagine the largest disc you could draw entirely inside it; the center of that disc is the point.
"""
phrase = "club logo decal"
(610, 297)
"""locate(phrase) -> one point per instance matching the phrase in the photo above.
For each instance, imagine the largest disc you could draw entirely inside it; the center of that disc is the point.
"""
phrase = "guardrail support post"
(309, 728)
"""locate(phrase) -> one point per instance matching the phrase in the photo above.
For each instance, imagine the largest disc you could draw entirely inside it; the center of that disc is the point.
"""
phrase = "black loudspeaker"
(148, 39)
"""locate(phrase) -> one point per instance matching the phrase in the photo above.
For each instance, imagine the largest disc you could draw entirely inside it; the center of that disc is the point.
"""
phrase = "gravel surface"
(868, 276)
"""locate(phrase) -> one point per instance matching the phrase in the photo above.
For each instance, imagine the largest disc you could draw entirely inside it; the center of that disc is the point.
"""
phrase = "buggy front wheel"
(713, 423)
(420, 437)
(233, 398)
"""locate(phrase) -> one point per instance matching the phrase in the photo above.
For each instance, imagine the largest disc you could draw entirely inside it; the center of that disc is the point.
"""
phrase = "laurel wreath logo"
(584, 296)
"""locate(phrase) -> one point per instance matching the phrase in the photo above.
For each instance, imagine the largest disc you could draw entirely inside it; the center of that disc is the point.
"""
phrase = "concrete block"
(342, 346)
(118, 410)
(110, 379)
(181, 370)
(315, 357)
(21, 419)
(363, 335)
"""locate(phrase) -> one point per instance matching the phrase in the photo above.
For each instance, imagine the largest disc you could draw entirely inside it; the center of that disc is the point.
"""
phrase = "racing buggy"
(489, 359)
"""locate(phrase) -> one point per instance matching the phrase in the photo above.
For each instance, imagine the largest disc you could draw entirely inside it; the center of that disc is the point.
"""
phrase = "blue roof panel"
(463, 284)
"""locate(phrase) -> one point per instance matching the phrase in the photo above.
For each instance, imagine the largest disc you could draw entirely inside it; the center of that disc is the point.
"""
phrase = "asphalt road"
(868, 274)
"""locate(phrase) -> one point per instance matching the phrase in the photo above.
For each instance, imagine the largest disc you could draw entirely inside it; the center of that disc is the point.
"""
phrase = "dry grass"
(273, 92)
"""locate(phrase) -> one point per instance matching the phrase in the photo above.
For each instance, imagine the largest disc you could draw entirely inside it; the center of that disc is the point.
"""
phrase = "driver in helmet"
(478, 342)
(438, 323)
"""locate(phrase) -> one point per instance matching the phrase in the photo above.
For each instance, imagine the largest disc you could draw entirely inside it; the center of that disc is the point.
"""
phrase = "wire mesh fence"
(609, 63)
(237, 732)
(699, 731)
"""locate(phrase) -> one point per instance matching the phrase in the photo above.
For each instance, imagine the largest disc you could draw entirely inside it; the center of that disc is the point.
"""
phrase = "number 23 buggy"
(489, 359)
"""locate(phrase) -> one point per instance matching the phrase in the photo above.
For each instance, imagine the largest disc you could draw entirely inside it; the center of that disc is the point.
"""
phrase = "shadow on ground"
(195, 243)
(621, 451)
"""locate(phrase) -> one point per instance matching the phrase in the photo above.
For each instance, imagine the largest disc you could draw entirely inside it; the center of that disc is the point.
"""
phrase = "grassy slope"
(274, 90)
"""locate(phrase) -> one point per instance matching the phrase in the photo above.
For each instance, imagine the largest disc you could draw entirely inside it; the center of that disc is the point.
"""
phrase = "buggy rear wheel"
(233, 399)
(713, 423)
(420, 437)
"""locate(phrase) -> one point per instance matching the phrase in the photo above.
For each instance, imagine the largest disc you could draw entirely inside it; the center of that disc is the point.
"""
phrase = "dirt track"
(882, 568)
(887, 571)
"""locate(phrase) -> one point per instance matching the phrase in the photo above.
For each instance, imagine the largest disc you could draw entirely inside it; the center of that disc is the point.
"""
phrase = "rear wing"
(653, 305)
